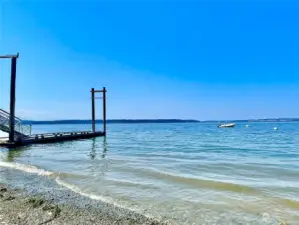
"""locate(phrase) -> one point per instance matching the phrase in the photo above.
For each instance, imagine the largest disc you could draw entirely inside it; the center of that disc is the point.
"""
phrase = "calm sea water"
(188, 173)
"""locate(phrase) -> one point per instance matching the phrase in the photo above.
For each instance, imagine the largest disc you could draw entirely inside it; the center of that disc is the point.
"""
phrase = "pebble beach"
(20, 207)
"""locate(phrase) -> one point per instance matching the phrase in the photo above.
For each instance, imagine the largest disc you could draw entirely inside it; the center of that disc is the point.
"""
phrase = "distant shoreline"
(110, 121)
(138, 121)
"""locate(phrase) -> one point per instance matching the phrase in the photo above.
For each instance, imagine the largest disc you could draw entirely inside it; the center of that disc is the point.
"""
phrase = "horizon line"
(195, 120)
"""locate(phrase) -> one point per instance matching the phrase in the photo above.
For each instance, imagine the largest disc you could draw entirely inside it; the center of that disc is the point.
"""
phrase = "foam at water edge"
(101, 198)
(41, 172)
(26, 168)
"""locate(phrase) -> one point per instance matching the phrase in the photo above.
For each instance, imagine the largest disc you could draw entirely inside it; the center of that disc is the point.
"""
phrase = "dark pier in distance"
(20, 133)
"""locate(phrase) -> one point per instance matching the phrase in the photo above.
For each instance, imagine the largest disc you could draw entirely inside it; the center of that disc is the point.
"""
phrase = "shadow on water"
(99, 165)
(15, 153)
(94, 147)
(98, 162)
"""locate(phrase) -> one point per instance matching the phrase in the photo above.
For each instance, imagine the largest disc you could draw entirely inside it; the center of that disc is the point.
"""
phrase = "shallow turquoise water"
(189, 173)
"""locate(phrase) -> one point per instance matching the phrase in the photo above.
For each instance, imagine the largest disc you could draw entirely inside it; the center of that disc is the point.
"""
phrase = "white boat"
(226, 125)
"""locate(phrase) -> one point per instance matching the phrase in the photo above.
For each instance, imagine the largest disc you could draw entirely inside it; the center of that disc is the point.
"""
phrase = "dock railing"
(21, 129)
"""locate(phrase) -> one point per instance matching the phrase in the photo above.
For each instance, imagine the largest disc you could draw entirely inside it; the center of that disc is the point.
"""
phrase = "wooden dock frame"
(49, 137)
(13, 72)
(103, 91)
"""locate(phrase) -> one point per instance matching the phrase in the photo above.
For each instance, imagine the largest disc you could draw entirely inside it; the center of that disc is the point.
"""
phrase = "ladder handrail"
(7, 113)
(20, 127)
(6, 116)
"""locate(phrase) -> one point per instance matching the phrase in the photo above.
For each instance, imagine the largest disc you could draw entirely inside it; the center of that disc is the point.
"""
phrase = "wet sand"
(19, 207)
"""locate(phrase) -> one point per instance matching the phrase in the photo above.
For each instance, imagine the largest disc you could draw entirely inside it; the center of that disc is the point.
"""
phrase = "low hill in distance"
(111, 121)
(130, 121)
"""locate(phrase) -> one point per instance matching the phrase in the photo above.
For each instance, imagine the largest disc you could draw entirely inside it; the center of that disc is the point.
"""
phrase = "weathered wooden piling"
(103, 91)
(13, 72)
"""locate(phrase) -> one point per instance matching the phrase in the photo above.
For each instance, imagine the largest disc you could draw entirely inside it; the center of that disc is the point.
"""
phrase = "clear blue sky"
(158, 59)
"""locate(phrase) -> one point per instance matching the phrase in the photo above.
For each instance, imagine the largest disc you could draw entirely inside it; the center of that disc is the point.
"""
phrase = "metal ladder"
(21, 130)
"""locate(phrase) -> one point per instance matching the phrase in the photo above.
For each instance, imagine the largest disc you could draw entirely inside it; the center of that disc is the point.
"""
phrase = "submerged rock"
(9, 198)
(3, 189)
(35, 202)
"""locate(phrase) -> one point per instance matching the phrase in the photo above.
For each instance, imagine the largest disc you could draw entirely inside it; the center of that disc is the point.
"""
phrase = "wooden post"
(104, 110)
(12, 99)
(93, 91)
(93, 111)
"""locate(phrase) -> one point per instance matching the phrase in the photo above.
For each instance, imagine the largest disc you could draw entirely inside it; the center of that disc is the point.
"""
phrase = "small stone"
(10, 198)
(57, 211)
(3, 189)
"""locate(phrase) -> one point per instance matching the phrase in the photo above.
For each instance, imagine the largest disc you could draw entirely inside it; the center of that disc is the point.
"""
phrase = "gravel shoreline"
(19, 207)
